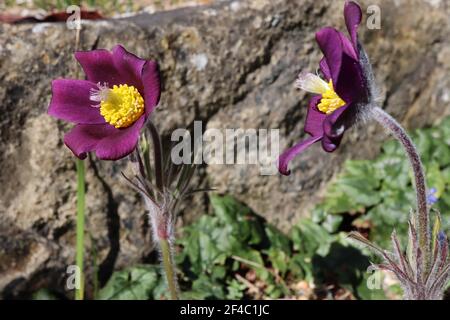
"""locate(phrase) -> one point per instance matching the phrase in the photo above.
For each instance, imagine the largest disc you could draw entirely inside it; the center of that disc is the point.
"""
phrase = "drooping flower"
(343, 96)
(111, 106)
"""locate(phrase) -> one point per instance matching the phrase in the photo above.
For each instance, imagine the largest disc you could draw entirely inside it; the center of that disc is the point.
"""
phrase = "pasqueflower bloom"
(343, 95)
(111, 106)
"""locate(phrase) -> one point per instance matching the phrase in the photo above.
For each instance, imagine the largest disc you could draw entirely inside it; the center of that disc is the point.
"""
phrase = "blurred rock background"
(230, 64)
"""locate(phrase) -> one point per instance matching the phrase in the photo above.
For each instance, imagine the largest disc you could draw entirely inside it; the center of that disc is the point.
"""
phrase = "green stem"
(169, 268)
(79, 293)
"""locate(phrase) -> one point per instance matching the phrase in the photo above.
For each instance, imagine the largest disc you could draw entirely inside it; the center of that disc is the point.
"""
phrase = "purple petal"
(329, 145)
(333, 125)
(330, 43)
(108, 142)
(129, 67)
(350, 85)
(336, 124)
(152, 86)
(343, 64)
(121, 143)
(314, 118)
(83, 138)
(353, 17)
(98, 65)
(288, 155)
(348, 48)
(325, 69)
(70, 102)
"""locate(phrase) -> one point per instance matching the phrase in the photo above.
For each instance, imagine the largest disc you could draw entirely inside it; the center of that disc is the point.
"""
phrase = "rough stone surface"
(231, 65)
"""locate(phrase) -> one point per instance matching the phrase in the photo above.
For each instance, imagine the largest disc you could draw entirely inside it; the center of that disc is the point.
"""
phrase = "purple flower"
(442, 238)
(432, 197)
(344, 94)
(111, 106)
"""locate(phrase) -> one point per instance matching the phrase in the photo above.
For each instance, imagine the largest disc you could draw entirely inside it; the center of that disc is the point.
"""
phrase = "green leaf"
(204, 288)
(255, 262)
(136, 283)
(277, 239)
(310, 238)
(332, 222)
(235, 290)
(44, 294)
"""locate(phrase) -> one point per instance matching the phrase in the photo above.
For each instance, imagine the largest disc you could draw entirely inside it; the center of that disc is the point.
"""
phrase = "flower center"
(330, 101)
(120, 105)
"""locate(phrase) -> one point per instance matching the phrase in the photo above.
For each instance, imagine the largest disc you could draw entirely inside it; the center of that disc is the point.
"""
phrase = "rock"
(230, 65)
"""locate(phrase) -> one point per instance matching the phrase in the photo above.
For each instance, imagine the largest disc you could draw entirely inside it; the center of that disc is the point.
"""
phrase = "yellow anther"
(123, 106)
(330, 101)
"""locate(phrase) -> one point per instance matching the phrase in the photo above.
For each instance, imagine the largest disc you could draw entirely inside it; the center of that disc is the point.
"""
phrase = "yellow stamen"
(123, 106)
(330, 101)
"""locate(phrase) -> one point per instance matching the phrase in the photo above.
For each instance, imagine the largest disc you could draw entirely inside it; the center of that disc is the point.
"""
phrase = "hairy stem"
(419, 178)
(169, 270)
(79, 293)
